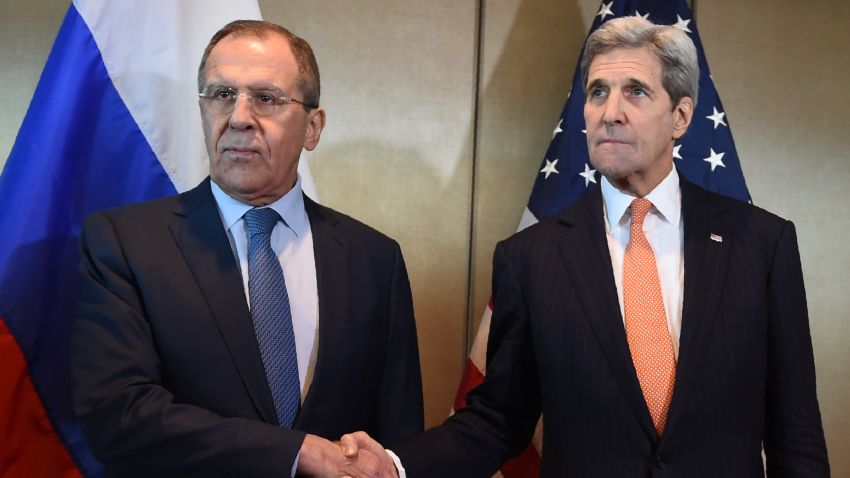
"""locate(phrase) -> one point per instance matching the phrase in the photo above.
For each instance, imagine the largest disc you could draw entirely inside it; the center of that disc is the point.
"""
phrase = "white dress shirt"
(292, 242)
(665, 232)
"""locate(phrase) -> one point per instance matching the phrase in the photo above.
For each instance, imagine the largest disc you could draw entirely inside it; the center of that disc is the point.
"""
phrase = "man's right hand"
(366, 457)
(320, 458)
(356, 456)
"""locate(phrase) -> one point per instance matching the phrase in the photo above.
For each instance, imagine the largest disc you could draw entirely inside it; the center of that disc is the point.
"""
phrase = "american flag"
(706, 155)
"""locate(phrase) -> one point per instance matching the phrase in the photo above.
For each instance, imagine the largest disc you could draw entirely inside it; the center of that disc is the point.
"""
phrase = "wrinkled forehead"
(252, 61)
(625, 62)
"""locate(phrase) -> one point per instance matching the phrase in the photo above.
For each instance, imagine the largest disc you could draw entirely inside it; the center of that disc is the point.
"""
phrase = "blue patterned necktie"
(271, 315)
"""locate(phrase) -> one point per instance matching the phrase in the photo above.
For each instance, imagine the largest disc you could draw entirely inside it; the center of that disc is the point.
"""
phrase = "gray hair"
(673, 48)
(308, 70)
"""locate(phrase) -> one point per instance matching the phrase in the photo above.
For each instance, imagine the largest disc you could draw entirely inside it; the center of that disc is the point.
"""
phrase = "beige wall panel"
(529, 53)
(783, 71)
(25, 41)
(397, 82)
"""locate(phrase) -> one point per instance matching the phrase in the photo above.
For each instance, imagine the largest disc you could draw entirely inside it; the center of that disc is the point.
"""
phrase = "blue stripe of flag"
(78, 150)
(569, 146)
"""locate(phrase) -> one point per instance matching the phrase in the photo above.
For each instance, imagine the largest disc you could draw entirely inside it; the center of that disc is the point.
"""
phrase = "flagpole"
(470, 265)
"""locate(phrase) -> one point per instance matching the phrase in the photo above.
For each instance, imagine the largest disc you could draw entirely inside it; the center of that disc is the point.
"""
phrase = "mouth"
(239, 152)
(612, 141)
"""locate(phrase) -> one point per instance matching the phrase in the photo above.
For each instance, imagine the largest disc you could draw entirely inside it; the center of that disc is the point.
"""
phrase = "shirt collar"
(290, 206)
(666, 197)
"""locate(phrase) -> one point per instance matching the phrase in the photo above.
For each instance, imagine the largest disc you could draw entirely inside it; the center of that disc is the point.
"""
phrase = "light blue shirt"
(292, 242)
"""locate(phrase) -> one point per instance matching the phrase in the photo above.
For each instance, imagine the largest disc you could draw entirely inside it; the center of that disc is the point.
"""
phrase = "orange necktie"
(646, 322)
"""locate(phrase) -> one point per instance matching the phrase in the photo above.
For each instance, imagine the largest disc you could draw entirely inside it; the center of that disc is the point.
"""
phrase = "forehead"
(248, 59)
(622, 63)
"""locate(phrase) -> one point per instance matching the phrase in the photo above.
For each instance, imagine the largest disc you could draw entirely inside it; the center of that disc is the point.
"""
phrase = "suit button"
(659, 462)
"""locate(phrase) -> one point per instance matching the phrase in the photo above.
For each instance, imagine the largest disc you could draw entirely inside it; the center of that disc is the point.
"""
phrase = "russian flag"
(114, 120)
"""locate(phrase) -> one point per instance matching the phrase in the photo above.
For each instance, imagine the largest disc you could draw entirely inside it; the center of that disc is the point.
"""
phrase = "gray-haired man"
(661, 329)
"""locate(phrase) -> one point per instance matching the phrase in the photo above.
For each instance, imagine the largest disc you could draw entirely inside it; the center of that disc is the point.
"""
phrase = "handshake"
(355, 455)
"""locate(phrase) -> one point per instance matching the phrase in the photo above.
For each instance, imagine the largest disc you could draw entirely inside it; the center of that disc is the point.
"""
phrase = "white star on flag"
(558, 128)
(715, 159)
(676, 153)
(717, 117)
(682, 24)
(550, 168)
(605, 10)
(588, 175)
(637, 14)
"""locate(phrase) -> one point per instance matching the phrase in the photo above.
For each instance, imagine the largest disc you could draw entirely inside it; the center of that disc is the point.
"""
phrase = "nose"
(614, 113)
(242, 116)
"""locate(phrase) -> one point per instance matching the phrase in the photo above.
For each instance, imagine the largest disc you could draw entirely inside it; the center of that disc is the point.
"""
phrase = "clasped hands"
(355, 455)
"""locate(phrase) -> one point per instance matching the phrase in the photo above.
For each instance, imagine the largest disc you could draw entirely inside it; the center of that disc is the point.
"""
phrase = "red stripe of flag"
(472, 377)
(30, 446)
(527, 464)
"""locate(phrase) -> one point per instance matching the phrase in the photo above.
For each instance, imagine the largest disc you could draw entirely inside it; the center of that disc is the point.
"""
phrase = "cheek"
(212, 133)
(282, 140)
(664, 134)
(589, 115)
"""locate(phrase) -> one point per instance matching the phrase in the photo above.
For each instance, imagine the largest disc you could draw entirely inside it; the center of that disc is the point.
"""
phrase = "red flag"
(527, 464)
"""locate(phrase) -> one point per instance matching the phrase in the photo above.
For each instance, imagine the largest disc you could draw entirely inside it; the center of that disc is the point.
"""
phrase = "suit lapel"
(329, 250)
(584, 247)
(706, 254)
(200, 236)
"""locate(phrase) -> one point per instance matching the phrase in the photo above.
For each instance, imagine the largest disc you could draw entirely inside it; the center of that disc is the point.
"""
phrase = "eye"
(597, 95)
(638, 91)
(224, 94)
(265, 98)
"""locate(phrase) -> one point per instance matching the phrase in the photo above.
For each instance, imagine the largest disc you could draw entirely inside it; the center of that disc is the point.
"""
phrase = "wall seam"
(470, 266)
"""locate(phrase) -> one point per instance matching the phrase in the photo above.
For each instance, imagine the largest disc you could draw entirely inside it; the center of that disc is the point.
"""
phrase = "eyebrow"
(644, 86)
(598, 82)
(265, 88)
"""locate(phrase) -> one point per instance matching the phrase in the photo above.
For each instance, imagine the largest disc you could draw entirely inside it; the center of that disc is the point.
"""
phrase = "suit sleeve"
(501, 413)
(794, 442)
(401, 408)
(131, 421)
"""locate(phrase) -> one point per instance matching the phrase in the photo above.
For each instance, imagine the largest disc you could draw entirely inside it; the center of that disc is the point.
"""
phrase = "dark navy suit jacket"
(167, 375)
(745, 375)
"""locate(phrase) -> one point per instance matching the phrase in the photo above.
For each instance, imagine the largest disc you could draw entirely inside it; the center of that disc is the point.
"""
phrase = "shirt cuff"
(397, 462)
(295, 465)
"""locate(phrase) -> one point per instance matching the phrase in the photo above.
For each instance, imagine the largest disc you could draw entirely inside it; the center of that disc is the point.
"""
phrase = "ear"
(682, 115)
(315, 125)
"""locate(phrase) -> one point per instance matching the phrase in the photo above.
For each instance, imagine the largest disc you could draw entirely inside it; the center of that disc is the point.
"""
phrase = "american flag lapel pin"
(716, 238)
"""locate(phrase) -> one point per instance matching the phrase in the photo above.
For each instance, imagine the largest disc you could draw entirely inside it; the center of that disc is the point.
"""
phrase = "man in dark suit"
(229, 330)
(660, 329)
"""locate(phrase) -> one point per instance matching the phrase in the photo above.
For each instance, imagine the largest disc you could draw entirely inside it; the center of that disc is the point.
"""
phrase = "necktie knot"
(639, 209)
(261, 220)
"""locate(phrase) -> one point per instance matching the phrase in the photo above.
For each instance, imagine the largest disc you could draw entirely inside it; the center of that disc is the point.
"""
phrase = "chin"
(232, 183)
(612, 167)
(606, 168)
(247, 188)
